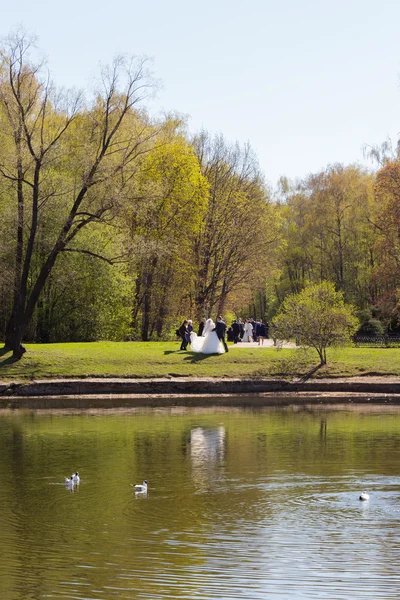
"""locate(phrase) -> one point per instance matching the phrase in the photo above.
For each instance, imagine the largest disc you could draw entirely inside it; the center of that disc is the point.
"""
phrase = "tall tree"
(165, 216)
(386, 221)
(329, 234)
(237, 227)
(65, 158)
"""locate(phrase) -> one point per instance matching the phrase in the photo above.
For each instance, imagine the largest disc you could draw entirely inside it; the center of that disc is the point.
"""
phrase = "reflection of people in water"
(209, 342)
(207, 450)
(207, 444)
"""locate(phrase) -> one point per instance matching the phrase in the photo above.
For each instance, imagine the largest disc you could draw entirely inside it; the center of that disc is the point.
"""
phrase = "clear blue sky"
(306, 82)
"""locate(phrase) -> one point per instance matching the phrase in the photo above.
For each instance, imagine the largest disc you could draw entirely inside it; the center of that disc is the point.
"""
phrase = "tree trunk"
(322, 355)
(147, 300)
(14, 335)
(222, 298)
(146, 315)
(163, 306)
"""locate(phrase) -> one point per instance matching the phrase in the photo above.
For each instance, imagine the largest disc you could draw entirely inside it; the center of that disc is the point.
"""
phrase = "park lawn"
(164, 359)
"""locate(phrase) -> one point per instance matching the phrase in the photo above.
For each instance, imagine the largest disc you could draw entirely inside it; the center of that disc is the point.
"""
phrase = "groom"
(220, 328)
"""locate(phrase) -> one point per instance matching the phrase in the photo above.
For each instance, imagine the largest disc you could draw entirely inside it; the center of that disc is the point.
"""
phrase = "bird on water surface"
(364, 496)
(140, 487)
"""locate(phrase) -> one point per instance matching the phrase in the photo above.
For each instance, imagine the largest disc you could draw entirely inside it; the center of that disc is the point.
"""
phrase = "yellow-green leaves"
(316, 317)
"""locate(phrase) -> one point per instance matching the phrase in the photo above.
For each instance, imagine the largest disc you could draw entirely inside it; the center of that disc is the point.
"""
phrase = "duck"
(364, 496)
(141, 487)
(69, 481)
(75, 478)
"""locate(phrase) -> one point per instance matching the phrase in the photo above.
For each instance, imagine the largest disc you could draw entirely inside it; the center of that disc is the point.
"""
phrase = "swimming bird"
(75, 477)
(364, 496)
(69, 481)
(141, 488)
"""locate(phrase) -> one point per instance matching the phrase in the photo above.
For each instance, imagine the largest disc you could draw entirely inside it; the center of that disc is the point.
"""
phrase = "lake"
(241, 503)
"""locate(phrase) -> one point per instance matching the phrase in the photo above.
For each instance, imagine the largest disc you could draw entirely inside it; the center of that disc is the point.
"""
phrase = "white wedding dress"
(208, 342)
(248, 332)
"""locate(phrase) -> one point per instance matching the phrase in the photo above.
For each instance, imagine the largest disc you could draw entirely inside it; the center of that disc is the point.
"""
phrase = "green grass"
(160, 359)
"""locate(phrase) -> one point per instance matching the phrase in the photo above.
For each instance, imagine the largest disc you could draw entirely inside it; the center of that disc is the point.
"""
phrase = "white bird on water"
(364, 496)
(141, 487)
(69, 481)
(75, 477)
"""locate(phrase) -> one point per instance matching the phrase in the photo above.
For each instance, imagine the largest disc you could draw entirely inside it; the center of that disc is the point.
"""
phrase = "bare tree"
(63, 157)
(235, 232)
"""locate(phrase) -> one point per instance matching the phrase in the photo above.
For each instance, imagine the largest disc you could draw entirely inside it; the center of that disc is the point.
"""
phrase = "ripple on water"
(235, 526)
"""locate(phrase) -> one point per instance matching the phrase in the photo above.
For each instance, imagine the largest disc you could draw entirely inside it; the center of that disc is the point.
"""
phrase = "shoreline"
(167, 392)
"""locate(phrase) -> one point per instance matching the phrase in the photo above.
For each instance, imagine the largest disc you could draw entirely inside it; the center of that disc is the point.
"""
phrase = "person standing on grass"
(248, 331)
(261, 332)
(241, 330)
(184, 334)
(190, 329)
(236, 331)
(201, 327)
(220, 328)
(255, 325)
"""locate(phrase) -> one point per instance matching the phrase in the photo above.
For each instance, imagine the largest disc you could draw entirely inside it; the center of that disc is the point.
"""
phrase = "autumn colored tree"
(386, 222)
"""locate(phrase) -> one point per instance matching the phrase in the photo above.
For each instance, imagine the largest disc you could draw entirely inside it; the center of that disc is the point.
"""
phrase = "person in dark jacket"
(261, 331)
(220, 329)
(236, 331)
(254, 324)
(201, 327)
(241, 330)
(189, 330)
(184, 334)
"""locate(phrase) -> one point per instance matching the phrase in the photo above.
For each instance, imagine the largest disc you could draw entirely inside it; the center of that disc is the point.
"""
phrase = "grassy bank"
(160, 359)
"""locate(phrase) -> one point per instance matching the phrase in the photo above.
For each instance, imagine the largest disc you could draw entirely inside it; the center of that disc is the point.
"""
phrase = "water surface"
(241, 504)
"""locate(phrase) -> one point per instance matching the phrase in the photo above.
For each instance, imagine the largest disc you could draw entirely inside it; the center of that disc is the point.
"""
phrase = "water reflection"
(249, 504)
(207, 451)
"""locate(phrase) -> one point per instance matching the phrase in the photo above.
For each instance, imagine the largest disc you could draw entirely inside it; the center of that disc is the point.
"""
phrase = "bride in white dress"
(248, 332)
(208, 342)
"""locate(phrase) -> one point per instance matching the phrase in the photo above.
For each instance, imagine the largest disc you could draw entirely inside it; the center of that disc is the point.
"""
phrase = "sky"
(306, 82)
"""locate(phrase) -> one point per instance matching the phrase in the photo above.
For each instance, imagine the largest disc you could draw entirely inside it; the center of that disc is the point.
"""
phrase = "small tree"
(317, 317)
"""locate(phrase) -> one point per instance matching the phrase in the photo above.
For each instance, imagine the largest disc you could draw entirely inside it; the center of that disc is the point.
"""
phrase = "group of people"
(210, 337)
(251, 330)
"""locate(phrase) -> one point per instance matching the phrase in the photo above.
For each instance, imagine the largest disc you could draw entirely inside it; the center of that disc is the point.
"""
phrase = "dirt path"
(267, 344)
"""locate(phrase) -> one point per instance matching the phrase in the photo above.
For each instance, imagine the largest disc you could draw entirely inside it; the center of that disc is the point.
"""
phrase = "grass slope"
(160, 359)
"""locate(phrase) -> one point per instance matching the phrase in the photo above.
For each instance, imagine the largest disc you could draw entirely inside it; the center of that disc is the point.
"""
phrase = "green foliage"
(170, 197)
(148, 224)
(371, 327)
(316, 317)
(329, 233)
